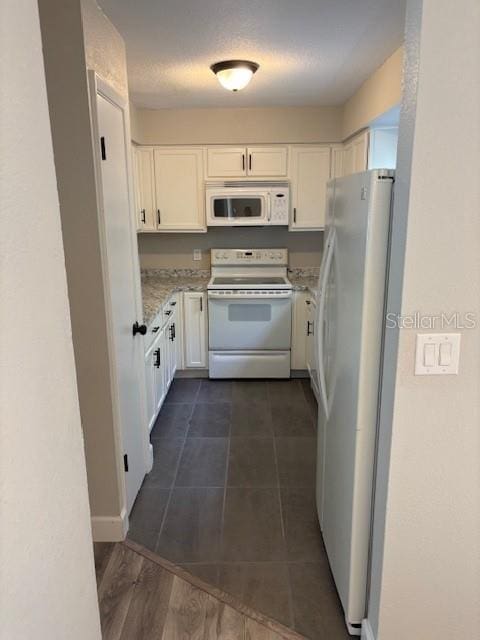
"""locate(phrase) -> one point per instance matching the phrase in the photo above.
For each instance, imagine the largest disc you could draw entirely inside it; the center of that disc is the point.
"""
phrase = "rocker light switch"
(437, 354)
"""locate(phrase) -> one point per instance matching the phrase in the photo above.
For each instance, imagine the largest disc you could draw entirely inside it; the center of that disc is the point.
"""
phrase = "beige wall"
(65, 64)
(47, 577)
(165, 250)
(238, 126)
(426, 546)
(378, 94)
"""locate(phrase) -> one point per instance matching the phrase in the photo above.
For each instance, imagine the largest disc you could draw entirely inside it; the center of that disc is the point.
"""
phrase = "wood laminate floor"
(142, 597)
(231, 498)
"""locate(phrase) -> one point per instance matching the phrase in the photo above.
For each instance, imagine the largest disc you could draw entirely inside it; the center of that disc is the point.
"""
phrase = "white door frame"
(96, 86)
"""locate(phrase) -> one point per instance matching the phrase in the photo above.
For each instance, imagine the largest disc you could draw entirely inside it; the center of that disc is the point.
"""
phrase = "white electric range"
(250, 314)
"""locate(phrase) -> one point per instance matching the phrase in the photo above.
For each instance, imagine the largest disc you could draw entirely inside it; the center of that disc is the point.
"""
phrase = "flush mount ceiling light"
(234, 74)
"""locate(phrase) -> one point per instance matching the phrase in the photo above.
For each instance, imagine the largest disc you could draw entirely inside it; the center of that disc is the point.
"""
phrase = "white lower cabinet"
(299, 323)
(310, 345)
(161, 361)
(304, 349)
(195, 329)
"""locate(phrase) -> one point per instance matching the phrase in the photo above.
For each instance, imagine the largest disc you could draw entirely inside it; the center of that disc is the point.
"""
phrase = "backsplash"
(175, 250)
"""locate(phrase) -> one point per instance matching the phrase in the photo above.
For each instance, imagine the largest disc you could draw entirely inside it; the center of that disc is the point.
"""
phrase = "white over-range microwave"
(245, 204)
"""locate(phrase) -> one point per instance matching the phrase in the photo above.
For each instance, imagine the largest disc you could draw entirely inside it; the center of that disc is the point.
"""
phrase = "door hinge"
(125, 462)
(103, 148)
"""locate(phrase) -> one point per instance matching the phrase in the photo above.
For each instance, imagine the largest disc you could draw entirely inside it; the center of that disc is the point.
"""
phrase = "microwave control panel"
(279, 205)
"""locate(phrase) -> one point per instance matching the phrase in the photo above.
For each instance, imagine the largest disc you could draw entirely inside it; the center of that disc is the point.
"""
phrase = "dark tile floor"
(231, 497)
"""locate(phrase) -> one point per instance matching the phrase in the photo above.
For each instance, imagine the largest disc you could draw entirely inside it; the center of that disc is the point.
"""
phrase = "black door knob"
(139, 328)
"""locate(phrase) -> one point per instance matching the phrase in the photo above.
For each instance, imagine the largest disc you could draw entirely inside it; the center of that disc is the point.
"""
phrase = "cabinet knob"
(139, 328)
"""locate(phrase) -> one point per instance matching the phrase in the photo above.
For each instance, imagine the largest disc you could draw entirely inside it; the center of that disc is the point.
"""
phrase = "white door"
(267, 161)
(225, 162)
(310, 174)
(195, 329)
(179, 189)
(122, 283)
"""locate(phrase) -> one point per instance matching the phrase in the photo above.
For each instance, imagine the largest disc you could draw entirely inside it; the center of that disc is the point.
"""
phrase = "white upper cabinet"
(238, 162)
(310, 172)
(179, 189)
(267, 161)
(355, 154)
(337, 162)
(144, 188)
(224, 162)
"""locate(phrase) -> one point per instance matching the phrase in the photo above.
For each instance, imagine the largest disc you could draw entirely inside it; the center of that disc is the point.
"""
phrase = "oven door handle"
(215, 295)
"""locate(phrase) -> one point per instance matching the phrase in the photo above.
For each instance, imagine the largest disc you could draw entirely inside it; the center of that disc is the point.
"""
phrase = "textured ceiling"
(311, 52)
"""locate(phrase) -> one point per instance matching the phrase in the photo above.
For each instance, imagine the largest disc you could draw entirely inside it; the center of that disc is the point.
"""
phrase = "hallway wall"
(426, 546)
(47, 579)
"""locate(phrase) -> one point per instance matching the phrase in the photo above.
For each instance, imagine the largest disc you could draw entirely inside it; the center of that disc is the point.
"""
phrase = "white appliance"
(250, 314)
(350, 321)
(247, 203)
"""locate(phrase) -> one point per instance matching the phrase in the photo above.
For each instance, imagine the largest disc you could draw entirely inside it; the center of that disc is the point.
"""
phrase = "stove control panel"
(254, 257)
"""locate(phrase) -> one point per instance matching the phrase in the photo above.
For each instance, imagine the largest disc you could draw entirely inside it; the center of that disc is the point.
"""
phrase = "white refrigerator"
(350, 323)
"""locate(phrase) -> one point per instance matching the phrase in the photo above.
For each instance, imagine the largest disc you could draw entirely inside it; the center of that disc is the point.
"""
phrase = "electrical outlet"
(197, 254)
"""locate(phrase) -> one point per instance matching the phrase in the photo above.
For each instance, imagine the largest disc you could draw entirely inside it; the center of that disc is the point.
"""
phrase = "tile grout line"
(282, 523)
(227, 466)
(167, 506)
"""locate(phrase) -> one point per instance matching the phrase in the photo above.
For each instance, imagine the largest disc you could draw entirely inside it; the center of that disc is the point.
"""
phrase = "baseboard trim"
(191, 373)
(110, 528)
(367, 632)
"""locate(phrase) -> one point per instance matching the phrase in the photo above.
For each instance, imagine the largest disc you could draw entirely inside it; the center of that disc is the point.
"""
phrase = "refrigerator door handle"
(327, 265)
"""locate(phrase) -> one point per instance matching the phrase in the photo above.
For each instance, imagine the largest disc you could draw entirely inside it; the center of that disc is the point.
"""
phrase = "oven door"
(242, 208)
(259, 322)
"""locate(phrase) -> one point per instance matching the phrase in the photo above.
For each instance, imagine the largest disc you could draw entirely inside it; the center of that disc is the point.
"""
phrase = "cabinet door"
(310, 346)
(223, 162)
(267, 161)
(310, 174)
(195, 329)
(360, 152)
(179, 189)
(299, 330)
(337, 162)
(150, 359)
(145, 194)
(172, 343)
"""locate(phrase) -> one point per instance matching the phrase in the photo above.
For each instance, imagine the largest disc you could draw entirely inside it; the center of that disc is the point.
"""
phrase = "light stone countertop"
(158, 285)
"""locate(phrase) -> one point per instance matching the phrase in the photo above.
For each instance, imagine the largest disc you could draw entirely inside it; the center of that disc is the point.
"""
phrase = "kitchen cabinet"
(310, 345)
(195, 329)
(161, 359)
(267, 161)
(299, 323)
(179, 189)
(355, 154)
(237, 162)
(310, 172)
(337, 162)
(143, 175)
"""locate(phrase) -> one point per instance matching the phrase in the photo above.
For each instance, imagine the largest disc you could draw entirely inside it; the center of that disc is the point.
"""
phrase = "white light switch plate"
(197, 254)
(437, 354)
